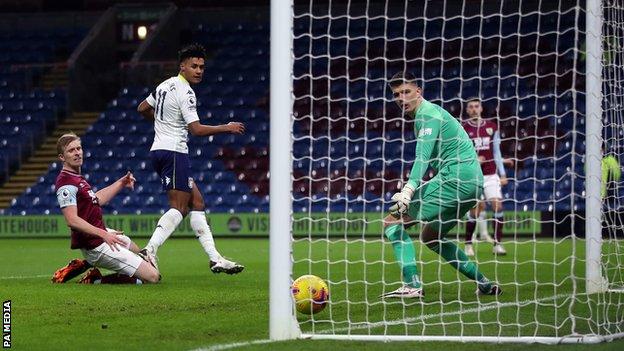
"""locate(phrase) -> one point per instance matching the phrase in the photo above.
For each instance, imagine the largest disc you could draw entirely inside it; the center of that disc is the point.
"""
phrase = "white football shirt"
(175, 106)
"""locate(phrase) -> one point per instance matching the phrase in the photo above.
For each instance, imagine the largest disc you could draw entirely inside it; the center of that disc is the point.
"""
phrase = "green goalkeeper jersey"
(441, 143)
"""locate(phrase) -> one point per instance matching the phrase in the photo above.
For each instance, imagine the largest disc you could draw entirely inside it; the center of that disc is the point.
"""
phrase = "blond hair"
(64, 140)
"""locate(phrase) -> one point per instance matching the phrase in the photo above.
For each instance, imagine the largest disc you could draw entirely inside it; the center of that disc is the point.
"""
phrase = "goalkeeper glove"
(402, 201)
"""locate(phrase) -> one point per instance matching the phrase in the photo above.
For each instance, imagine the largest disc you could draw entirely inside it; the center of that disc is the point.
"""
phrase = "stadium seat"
(232, 170)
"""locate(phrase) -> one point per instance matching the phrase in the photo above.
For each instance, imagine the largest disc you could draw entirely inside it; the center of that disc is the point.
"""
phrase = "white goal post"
(593, 224)
(339, 150)
(282, 321)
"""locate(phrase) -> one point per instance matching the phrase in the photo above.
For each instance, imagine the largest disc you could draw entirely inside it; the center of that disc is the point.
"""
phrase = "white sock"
(167, 224)
(482, 224)
(204, 234)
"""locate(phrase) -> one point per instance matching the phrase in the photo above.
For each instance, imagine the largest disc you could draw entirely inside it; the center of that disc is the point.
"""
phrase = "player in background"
(482, 225)
(610, 194)
(173, 108)
(486, 139)
(439, 203)
(100, 247)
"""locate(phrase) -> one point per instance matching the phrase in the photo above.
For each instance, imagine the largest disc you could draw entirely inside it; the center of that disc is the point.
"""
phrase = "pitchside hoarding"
(249, 224)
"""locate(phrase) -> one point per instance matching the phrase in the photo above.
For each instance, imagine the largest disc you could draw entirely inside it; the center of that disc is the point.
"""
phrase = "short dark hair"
(191, 50)
(403, 78)
(474, 98)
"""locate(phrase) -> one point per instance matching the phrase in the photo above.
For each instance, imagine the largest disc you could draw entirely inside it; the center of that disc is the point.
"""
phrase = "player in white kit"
(173, 107)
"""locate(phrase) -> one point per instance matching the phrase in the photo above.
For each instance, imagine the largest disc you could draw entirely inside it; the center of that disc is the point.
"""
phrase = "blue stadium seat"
(236, 88)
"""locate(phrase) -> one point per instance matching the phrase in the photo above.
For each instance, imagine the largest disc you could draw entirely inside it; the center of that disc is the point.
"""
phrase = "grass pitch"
(193, 308)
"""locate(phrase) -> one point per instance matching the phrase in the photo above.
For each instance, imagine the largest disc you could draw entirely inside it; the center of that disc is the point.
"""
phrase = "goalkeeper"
(443, 145)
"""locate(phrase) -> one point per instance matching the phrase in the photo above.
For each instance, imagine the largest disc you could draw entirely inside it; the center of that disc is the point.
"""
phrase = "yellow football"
(311, 294)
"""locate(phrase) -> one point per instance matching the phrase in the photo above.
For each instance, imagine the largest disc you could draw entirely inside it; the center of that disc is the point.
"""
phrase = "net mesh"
(353, 149)
(613, 146)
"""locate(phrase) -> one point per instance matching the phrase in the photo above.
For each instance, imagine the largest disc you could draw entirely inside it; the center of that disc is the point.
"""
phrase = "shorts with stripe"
(174, 170)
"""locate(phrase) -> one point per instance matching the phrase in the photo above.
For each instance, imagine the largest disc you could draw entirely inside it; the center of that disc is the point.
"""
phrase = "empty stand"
(363, 163)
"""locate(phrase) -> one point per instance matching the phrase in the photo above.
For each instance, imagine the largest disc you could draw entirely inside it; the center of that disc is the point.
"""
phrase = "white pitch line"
(235, 345)
(25, 276)
(397, 321)
(443, 314)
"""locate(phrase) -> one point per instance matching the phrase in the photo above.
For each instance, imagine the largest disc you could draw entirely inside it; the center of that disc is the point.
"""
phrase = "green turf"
(193, 308)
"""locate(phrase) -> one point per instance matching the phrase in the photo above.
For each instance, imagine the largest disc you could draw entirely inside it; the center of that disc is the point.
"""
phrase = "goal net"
(613, 144)
(351, 148)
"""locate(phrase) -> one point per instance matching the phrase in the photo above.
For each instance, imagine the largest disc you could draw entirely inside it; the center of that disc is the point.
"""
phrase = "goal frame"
(595, 283)
(283, 323)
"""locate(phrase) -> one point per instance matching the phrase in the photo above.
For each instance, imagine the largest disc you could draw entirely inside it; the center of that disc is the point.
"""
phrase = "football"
(311, 294)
